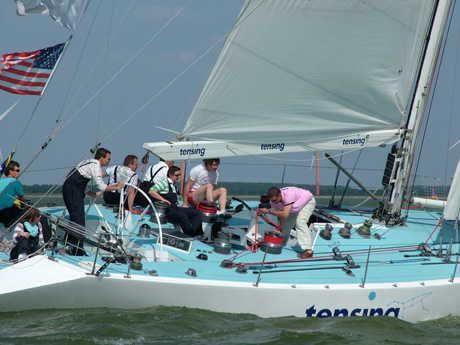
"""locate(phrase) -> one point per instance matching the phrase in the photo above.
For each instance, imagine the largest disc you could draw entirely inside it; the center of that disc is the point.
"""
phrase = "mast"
(404, 156)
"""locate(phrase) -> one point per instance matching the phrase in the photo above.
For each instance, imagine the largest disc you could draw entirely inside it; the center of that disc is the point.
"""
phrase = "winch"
(272, 243)
(264, 201)
(208, 211)
(144, 231)
(162, 209)
(223, 245)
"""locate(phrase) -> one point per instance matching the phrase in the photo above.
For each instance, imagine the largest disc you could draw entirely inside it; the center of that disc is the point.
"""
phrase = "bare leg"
(203, 193)
(220, 194)
(209, 192)
(199, 194)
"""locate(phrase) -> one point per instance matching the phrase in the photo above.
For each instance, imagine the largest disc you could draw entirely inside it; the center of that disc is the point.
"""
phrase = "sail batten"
(325, 71)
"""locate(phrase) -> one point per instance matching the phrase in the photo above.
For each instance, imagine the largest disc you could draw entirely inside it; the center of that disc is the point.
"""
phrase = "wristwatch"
(270, 211)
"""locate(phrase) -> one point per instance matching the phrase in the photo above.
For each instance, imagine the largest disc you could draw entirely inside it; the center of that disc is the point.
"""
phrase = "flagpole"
(57, 64)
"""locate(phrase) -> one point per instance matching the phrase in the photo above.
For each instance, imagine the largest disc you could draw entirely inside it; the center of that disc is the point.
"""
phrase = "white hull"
(66, 286)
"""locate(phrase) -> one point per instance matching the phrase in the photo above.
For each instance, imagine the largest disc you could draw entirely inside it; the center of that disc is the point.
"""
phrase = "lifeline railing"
(122, 221)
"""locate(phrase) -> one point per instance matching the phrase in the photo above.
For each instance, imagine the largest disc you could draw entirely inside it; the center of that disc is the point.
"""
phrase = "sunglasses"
(17, 170)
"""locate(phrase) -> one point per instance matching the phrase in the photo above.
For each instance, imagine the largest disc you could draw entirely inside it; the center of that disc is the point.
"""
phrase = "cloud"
(187, 57)
(156, 13)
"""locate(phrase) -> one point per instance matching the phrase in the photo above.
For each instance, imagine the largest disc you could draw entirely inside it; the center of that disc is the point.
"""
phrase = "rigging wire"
(170, 27)
(183, 72)
(101, 98)
(61, 112)
(452, 104)
(59, 125)
(92, 70)
(42, 93)
(58, 121)
(194, 97)
(47, 141)
(55, 129)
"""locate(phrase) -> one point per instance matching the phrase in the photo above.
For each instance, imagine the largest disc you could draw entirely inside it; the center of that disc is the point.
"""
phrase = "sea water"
(172, 325)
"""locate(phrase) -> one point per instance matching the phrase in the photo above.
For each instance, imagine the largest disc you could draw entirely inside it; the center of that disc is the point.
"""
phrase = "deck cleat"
(226, 264)
(425, 249)
(351, 262)
(202, 256)
(191, 272)
(153, 273)
(241, 269)
(337, 254)
(347, 271)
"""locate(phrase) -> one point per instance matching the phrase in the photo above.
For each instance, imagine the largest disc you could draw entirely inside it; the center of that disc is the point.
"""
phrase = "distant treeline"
(40, 188)
(246, 188)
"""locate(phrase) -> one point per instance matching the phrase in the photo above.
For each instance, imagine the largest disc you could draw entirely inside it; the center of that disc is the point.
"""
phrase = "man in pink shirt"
(293, 206)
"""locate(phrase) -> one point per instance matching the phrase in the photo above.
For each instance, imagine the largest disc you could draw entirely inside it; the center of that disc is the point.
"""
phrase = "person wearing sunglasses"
(293, 206)
(10, 191)
(189, 219)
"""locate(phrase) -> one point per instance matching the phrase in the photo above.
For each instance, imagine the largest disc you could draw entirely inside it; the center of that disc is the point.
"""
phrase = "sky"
(159, 88)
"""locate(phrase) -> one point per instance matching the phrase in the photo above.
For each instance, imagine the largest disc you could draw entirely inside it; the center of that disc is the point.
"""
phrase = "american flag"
(28, 73)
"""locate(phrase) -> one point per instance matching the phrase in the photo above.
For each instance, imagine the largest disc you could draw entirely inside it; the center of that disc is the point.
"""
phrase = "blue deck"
(389, 255)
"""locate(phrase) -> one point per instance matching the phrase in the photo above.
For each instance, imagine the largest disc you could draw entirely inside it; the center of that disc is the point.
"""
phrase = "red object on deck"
(273, 237)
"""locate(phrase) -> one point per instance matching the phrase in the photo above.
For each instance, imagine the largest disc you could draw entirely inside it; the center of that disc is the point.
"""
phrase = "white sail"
(452, 209)
(296, 72)
(68, 13)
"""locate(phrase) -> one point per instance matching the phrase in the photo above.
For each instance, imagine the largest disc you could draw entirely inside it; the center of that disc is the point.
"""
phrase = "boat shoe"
(306, 254)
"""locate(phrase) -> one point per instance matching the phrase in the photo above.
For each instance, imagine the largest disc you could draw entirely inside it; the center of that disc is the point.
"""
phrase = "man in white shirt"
(74, 187)
(153, 175)
(126, 173)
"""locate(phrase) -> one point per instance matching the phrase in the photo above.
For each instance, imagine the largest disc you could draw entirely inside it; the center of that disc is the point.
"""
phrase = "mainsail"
(311, 75)
(327, 74)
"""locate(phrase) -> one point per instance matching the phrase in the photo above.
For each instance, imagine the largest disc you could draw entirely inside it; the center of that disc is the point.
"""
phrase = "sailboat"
(295, 76)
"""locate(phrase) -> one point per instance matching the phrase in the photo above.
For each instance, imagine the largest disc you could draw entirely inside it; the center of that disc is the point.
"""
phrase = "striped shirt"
(162, 187)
